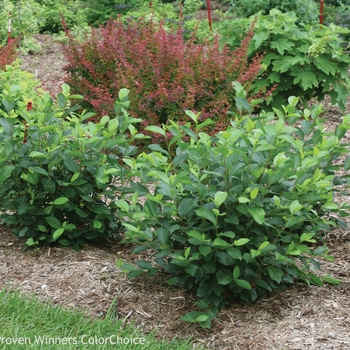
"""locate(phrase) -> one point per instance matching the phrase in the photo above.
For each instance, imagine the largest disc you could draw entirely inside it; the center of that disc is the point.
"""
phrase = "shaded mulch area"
(302, 317)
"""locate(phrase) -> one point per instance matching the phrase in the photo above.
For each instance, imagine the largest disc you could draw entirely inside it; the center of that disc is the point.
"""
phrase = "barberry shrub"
(165, 74)
(60, 177)
(241, 213)
(8, 54)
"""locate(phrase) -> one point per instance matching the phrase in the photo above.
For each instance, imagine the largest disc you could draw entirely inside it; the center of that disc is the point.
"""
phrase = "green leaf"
(71, 165)
(58, 233)
(282, 65)
(30, 242)
(244, 284)
(236, 272)
(202, 318)
(258, 214)
(122, 205)
(218, 242)
(254, 193)
(191, 316)
(330, 280)
(282, 45)
(195, 234)
(295, 206)
(220, 198)
(260, 37)
(74, 177)
(241, 241)
(185, 206)
(38, 170)
(325, 65)
(307, 79)
(97, 224)
(6, 172)
(346, 163)
(275, 274)
(206, 214)
(243, 200)
(60, 201)
(53, 222)
(42, 228)
(62, 100)
(223, 278)
(204, 250)
(144, 265)
(65, 242)
(156, 129)
(9, 103)
(36, 154)
(187, 252)
(201, 304)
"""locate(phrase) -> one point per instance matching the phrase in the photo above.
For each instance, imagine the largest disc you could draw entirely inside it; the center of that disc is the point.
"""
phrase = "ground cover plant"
(41, 325)
(243, 212)
(165, 74)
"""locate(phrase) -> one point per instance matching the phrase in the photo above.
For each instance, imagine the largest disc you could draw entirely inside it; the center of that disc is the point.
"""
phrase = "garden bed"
(302, 317)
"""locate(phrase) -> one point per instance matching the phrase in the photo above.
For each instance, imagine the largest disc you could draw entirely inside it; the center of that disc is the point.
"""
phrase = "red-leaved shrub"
(8, 53)
(164, 73)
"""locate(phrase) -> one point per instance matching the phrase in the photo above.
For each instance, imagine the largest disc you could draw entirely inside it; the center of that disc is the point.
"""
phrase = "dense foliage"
(59, 175)
(243, 212)
(303, 61)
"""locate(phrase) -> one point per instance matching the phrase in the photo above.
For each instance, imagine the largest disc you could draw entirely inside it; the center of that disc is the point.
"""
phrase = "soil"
(302, 317)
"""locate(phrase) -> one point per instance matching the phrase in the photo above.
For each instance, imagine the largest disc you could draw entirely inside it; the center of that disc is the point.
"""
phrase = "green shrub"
(101, 12)
(74, 13)
(307, 12)
(338, 15)
(241, 213)
(59, 176)
(21, 85)
(25, 22)
(302, 61)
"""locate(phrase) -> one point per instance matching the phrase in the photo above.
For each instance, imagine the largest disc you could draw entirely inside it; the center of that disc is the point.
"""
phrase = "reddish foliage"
(165, 74)
(8, 53)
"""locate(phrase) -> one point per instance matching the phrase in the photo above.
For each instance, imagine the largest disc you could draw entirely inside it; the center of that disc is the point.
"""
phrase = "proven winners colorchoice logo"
(84, 340)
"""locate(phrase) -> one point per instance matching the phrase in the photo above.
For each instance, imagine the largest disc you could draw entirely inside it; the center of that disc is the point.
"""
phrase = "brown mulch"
(302, 317)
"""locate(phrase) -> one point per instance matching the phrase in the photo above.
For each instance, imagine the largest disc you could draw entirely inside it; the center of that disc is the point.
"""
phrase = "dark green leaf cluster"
(240, 213)
(60, 176)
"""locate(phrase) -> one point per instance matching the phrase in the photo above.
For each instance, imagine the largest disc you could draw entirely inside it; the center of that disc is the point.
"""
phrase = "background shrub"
(307, 12)
(25, 22)
(300, 60)
(241, 213)
(165, 74)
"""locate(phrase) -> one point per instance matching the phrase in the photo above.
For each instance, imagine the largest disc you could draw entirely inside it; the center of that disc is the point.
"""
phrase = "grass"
(28, 323)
